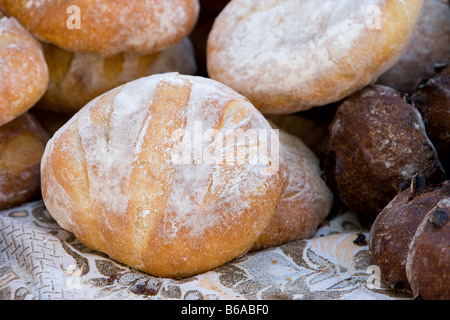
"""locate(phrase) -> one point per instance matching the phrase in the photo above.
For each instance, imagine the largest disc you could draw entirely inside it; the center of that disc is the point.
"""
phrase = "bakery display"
(106, 27)
(262, 149)
(111, 177)
(429, 46)
(288, 56)
(22, 143)
(23, 71)
(77, 78)
(306, 199)
(377, 142)
(432, 99)
(396, 226)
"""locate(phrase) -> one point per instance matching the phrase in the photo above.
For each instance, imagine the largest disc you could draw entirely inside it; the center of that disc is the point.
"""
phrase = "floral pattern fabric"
(40, 260)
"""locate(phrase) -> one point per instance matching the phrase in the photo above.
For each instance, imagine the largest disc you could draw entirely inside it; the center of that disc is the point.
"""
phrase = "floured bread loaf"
(118, 177)
(77, 78)
(22, 143)
(23, 70)
(430, 45)
(306, 200)
(287, 56)
(106, 27)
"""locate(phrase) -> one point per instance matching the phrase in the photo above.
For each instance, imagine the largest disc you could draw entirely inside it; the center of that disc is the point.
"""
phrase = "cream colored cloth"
(39, 260)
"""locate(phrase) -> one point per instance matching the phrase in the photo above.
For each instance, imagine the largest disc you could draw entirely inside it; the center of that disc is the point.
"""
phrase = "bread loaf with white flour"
(115, 175)
(288, 56)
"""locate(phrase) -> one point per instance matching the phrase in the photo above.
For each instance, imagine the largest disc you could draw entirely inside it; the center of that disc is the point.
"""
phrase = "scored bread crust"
(23, 70)
(306, 200)
(107, 27)
(77, 78)
(108, 177)
(288, 56)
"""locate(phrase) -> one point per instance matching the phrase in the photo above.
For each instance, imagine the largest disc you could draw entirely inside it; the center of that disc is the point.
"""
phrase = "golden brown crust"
(109, 176)
(23, 69)
(22, 143)
(107, 27)
(377, 142)
(320, 53)
(306, 200)
(77, 78)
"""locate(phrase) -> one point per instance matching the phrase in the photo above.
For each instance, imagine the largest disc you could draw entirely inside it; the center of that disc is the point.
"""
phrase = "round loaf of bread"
(430, 45)
(306, 200)
(77, 78)
(150, 173)
(106, 27)
(23, 70)
(377, 142)
(22, 143)
(288, 56)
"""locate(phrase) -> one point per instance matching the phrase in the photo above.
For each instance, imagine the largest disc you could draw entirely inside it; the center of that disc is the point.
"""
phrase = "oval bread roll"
(430, 45)
(288, 56)
(106, 27)
(22, 143)
(117, 177)
(395, 227)
(23, 70)
(377, 142)
(306, 200)
(428, 262)
(77, 78)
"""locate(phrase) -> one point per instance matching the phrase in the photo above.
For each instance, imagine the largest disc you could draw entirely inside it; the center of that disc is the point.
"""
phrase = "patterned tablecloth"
(40, 260)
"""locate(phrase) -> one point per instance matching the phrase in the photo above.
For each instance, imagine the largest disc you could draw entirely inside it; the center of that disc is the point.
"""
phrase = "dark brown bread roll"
(432, 98)
(22, 143)
(428, 262)
(395, 228)
(429, 45)
(377, 142)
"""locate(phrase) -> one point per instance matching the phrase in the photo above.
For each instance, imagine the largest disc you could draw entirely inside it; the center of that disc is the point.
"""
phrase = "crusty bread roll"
(430, 45)
(77, 78)
(22, 143)
(106, 27)
(118, 177)
(378, 142)
(428, 261)
(395, 227)
(287, 56)
(23, 71)
(306, 200)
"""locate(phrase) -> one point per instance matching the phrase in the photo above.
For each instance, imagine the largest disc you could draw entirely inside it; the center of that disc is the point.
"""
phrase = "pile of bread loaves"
(175, 170)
